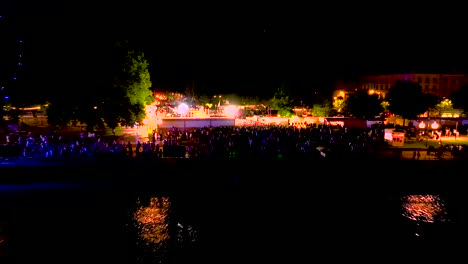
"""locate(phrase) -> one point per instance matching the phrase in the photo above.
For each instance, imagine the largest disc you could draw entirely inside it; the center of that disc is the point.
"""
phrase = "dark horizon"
(58, 48)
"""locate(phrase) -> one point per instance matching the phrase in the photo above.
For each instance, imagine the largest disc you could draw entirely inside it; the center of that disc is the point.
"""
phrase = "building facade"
(442, 85)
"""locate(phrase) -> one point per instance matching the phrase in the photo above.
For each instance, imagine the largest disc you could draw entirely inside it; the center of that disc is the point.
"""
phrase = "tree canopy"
(131, 88)
(322, 109)
(460, 98)
(282, 102)
(407, 99)
(364, 105)
(122, 99)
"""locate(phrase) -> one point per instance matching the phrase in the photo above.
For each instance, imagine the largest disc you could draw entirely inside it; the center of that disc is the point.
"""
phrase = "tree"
(131, 92)
(364, 105)
(120, 97)
(445, 107)
(339, 104)
(204, 101)
(460, 98)
(62, 110)
(247, 100)
(323, 109)
(282, 102)
(407, 100)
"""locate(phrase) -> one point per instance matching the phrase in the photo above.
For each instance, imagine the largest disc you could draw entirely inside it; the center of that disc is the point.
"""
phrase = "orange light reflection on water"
(424, 208)
(152, 221)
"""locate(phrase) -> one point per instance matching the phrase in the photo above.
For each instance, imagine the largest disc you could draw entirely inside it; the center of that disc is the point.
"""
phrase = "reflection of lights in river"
(152, 221)
(424, 208)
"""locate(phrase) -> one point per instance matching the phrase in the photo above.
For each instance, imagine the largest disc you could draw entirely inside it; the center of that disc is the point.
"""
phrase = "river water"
(247, 216)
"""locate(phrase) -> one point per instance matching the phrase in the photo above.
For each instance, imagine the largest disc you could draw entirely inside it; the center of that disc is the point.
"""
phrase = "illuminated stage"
(195, 122)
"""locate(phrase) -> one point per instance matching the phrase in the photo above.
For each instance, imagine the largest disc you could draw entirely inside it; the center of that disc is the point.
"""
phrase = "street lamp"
(435, 126)
(219, 103)
(422, 125)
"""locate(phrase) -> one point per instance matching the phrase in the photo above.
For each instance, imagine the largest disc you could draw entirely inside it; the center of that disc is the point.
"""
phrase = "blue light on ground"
(6, 188)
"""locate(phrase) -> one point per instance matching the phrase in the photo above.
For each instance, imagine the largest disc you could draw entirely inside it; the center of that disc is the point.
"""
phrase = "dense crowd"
(237, 142)
(247, 142)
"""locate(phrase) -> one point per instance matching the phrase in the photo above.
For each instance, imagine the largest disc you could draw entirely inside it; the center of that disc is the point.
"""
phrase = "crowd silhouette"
(246, 142)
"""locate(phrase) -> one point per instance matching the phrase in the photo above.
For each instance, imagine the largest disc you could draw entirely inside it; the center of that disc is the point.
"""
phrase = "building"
(440, 84)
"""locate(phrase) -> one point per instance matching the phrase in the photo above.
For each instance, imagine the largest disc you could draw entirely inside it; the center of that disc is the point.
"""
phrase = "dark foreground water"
(186, 213)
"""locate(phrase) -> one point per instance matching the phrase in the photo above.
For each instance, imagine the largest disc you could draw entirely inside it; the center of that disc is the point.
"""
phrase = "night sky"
(245, 51)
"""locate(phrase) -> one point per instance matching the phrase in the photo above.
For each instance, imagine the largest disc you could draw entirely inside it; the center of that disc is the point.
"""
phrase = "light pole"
(422, 125)
(435, 126)
(219, 103)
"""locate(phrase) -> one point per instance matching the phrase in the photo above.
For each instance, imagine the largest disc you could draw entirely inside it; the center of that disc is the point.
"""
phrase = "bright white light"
(183, 109)
(231, 111)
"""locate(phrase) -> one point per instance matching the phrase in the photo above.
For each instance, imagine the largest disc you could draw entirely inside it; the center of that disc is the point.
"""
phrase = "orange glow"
(160, 97)
(424, 208)
(336, 123)
(28, 108)
(152, 221)
(198, 113)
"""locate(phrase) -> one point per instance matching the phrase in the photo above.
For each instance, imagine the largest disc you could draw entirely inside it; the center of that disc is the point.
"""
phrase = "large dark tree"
(407, 100)
(131, 91)
(120, 95)
(61, 112)
(460, 98)
(431, 102)
(363, 105)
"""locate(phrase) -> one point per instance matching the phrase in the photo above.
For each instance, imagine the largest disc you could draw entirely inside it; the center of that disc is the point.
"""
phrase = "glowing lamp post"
(421, 126)
(434, 126)
(219, 103)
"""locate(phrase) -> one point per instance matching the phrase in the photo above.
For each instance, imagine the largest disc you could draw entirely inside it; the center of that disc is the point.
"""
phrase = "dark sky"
(238, 50)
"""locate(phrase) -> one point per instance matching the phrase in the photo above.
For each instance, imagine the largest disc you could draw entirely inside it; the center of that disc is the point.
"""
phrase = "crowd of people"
(246, 142)
(237, 142)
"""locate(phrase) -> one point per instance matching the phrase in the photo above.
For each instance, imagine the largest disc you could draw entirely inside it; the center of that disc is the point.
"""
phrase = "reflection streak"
(152, 221)
(424, 208)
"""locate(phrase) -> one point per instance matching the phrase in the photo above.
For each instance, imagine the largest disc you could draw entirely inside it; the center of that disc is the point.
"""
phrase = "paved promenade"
(412, 145)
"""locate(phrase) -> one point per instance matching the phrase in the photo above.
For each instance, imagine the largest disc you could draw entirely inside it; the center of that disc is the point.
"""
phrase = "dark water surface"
(197, 213)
